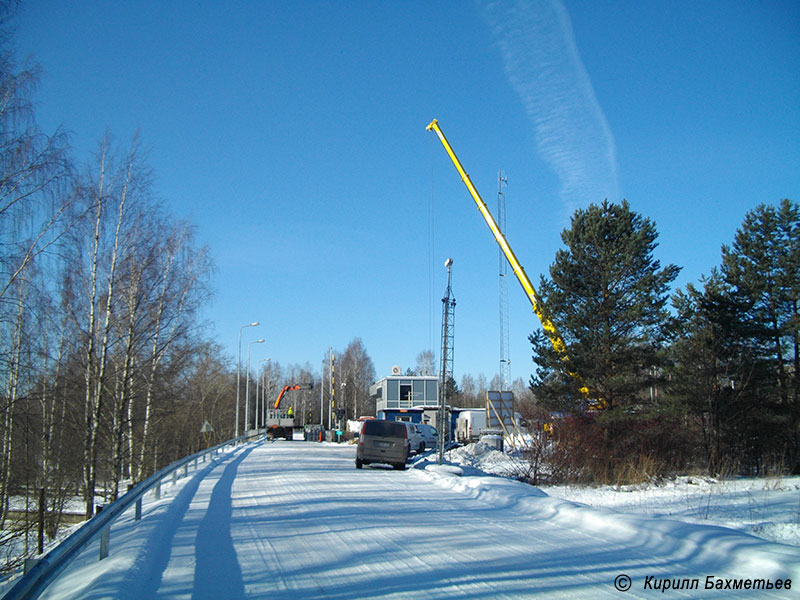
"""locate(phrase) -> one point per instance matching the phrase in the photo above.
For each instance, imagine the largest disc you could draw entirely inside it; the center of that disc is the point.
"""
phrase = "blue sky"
(293, 136)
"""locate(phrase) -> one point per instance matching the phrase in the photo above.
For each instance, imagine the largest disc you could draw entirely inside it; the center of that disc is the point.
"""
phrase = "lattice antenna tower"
(446, 364)
(505, 361)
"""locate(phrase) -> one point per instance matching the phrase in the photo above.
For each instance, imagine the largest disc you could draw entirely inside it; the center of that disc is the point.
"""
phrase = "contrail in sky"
(543, 66)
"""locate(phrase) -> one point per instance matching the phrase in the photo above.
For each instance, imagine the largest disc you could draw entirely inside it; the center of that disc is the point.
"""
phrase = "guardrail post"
(137, 514)
(104, 535)
(104, 542)
(158, 490)
(29, 563)
(185, 470)
(174, 476)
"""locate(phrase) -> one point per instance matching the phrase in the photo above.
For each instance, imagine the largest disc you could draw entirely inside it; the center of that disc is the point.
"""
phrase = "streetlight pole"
(238, 375)
(247, 387)
(267, 390)
(260, 398)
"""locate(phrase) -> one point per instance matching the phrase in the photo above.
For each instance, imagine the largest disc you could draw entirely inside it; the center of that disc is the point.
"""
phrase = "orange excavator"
(280, 423)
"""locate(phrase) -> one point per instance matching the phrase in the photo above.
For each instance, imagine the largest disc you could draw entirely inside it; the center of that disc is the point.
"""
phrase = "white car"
(421, 437)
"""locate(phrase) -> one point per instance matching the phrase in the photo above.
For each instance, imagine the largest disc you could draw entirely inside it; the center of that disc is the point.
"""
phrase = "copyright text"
(710, 582)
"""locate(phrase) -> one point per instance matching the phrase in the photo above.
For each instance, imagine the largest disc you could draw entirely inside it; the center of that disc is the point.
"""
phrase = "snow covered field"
(297, 520)
(768, 507)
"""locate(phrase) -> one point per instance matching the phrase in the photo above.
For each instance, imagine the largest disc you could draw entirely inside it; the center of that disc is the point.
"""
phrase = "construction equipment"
(286, 388)
(280, 423)
(536, 302)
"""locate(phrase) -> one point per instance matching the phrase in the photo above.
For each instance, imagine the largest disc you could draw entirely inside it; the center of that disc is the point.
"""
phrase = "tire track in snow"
(145, 578)
(217, 573)
(255, 540)
(363, 536)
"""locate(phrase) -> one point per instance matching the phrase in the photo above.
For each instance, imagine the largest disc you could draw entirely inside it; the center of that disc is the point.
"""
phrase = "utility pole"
(262, 398)
(322, 396)
(258, 397)
(332, 402)
(446, 370)
(238, 376)
(247, 388)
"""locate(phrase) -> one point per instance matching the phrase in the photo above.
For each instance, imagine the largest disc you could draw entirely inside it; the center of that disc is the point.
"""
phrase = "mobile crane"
(281, 423)
(536, 302)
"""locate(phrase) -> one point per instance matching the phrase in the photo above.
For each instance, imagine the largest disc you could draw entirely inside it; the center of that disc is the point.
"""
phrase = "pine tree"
(763, 268)
(716, 373)
(607, 295)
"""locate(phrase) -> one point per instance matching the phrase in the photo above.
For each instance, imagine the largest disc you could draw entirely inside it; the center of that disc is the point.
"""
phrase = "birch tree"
(132, 332)
(183, 271)
(106, 196)
(35, 211)
(358, 373)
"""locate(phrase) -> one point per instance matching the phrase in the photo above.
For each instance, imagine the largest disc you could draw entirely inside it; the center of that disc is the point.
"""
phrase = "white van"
(469, 425)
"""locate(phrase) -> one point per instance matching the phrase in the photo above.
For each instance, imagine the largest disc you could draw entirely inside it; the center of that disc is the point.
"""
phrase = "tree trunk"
(122, 397)
(90, 434)
(112, 275)
(95, 390)
(10, 404)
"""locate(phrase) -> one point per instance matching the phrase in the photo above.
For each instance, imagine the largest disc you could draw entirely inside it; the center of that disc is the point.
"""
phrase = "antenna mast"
(446, 371)
(505, 361)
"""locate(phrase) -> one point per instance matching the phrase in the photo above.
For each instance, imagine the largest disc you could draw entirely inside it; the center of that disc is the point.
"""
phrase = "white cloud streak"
(544, 67)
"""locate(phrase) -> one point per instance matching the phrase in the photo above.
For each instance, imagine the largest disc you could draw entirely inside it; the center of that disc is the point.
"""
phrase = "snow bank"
(768, 508)
(699, 544)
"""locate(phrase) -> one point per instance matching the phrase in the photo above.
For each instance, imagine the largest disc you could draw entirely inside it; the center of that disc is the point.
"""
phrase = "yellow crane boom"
(536, 302)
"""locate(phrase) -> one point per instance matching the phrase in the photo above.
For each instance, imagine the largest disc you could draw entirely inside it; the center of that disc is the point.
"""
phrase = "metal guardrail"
(47, 568)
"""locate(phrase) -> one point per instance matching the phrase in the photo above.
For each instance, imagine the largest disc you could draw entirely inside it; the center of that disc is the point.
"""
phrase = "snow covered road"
(297, 520)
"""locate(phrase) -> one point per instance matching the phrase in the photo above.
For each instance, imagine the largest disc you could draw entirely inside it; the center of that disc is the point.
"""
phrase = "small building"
(398, 392)
(409, 398)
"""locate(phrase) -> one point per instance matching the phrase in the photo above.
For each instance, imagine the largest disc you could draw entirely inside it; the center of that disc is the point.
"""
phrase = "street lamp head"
(261, 341)
(255, 324)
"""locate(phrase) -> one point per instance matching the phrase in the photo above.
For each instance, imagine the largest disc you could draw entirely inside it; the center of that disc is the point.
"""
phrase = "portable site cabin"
(409, 398)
